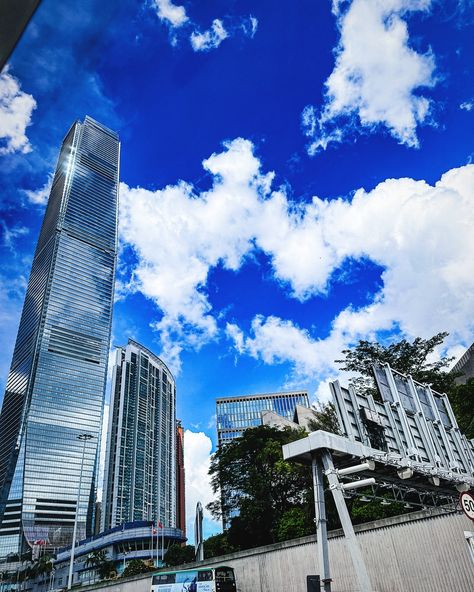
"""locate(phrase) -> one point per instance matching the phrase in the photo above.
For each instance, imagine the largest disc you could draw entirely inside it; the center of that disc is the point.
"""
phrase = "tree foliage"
(462, 401)
(325, 418)
(414, 358)
(407, 357)
(177, 555)
(217, 545)
(258, 486)
(136, 567)
(100, 561)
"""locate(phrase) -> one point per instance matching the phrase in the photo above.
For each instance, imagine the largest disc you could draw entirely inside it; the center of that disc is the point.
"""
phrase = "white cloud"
(16, 108)
(9, 235)
(171, 13)
(421, 235)
(40, 196)
(377, 76)
(467, 106)
(178, 236)
(197, 452)
(175, 17)
(210, 39)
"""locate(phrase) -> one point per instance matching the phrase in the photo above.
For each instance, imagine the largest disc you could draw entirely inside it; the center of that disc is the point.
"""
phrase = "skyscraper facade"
(180, 479)
(236, 414)
(55, 388)
(140, 470)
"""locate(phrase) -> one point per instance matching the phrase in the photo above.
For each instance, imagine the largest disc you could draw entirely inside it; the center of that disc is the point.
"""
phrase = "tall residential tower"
(55, 388)
(140, 470)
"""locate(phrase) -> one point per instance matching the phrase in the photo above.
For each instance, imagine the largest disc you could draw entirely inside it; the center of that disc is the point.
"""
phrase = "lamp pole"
(84, 438)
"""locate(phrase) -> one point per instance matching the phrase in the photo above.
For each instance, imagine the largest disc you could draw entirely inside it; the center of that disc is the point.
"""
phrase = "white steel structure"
(407, 446)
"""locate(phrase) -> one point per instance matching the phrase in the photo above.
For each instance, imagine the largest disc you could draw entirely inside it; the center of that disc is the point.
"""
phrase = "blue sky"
(295, 177)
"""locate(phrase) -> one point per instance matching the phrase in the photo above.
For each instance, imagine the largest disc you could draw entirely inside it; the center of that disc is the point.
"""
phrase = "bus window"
(205, 576)
(224, 574)
(163, 579)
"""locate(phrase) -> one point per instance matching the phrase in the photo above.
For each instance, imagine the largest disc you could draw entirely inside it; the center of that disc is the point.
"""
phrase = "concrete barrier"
(412, 553)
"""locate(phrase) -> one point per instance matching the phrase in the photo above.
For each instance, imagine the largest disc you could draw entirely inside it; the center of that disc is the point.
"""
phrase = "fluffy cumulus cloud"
(170, 13)
(16, 108)
(197, 451)
(378, 77)
(421, 236)
(40, 196)
(178, 236)
(210, 39)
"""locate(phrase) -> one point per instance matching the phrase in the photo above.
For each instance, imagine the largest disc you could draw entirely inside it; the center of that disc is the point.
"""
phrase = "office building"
(180, 479)
(236, 414)
(55, 388)
(140, 470)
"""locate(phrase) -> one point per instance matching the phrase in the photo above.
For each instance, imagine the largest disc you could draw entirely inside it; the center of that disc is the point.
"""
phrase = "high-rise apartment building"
(55, 388)
(236, 414)
(180, 479)
(140, 470)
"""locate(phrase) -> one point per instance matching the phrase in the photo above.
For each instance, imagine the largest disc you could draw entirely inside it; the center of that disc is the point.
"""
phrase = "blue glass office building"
(236, 414)
(55, 388)
(140, 471)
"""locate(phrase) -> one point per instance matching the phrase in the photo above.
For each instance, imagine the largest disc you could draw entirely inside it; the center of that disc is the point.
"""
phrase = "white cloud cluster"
(175, 17)
(377, 75)
(179, 236)
(197, 452)
(421, 235)
(16, 108)
(167, 11)
(467, 105)
(39, 197)
(210, 39)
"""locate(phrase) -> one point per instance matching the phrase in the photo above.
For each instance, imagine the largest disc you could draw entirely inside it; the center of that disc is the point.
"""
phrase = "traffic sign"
(466, 500)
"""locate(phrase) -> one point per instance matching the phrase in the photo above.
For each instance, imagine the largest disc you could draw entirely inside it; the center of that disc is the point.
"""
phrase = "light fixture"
(358, 484)
(462, 487)
(368, 465)
(435, 481)
(405, 473)
(364, 499)
(385, 502)
(407, 506)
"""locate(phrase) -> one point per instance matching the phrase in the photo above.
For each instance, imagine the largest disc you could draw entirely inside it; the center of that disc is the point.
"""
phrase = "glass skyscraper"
(55, 388)
(236, 414)
(140, 470)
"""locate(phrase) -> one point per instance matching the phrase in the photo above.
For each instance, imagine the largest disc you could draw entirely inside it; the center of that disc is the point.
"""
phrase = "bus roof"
(172, 571)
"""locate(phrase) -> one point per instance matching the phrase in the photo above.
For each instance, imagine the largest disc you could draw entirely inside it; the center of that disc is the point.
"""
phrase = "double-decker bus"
(201, 579)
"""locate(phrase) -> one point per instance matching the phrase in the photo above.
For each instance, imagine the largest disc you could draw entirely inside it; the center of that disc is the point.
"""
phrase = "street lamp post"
(84, 438)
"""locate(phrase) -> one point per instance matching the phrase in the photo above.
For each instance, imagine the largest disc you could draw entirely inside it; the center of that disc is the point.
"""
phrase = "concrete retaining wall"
(411, 553)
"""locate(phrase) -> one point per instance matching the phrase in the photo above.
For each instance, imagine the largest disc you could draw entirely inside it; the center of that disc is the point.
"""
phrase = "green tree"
(100, 561)
(407, 357)
(325, 418)
(217, 545)
(177, 555)
(136, 567)
(415, 359)
(294, 523)
(258, 485)
(462, 401)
